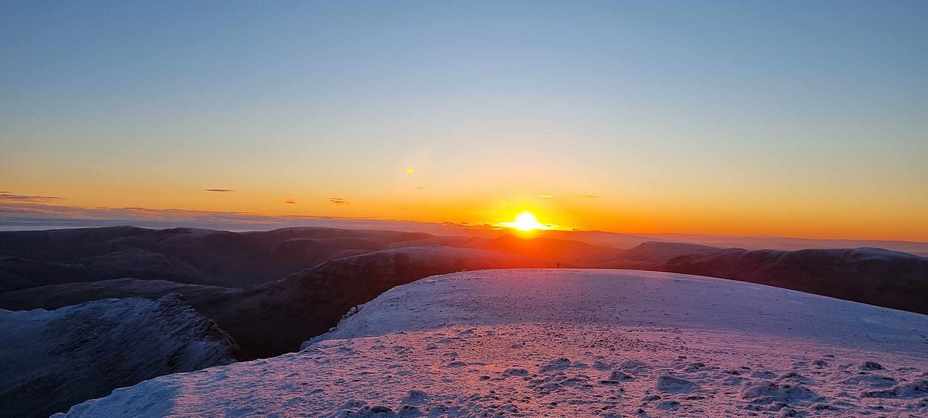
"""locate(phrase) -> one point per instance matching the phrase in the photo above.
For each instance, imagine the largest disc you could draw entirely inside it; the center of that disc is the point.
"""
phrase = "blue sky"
(654, 106)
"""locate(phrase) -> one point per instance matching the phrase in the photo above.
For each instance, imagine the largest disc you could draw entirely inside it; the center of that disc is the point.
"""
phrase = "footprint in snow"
(600, 365)
(764, 374)
(765, 393)
(668, 405)
(633, 366)
(515, 371)
(671, 384)
(796, 377)
(694, 367)
(620, 376)
(871, 380)
(918, 389)
(871, 365)
(733, 380)
(416, 397)
(555, 365)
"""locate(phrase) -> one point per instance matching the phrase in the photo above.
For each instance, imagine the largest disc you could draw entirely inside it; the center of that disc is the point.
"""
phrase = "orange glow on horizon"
(774, 216)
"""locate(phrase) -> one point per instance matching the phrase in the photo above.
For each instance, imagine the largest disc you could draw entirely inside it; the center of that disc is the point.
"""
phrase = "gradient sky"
(798, 118)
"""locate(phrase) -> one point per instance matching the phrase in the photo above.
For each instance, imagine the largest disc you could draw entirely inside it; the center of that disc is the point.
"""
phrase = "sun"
(525, 222)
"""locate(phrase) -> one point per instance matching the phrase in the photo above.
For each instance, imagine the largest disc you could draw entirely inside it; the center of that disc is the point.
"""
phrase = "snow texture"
(571, 343)
(53, 359)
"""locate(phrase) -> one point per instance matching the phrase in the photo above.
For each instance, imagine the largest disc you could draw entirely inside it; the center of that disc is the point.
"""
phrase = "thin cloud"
(220, 190)
(590, 196)
(290, 202)
(26, 198)
(545, 196)
(338, 201)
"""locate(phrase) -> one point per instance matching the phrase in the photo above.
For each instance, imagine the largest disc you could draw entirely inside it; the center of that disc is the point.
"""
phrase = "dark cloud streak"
(26, 198)
(338, 201)
(219, 190)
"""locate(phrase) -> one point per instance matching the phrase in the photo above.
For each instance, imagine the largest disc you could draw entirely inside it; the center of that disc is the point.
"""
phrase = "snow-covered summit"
(572, 343)
(632, 298)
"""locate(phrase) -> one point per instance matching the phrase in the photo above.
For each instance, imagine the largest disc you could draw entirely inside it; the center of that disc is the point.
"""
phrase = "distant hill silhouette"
(196, 256)
(869, 275)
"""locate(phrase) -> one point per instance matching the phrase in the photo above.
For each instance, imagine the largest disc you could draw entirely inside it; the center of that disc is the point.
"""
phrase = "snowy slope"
(572, 343)
(53, 359)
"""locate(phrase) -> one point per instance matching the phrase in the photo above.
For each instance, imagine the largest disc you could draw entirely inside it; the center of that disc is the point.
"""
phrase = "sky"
(787, 118)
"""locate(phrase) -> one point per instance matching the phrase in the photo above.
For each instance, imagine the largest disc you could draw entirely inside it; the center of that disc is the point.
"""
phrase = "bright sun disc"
(525, 221)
